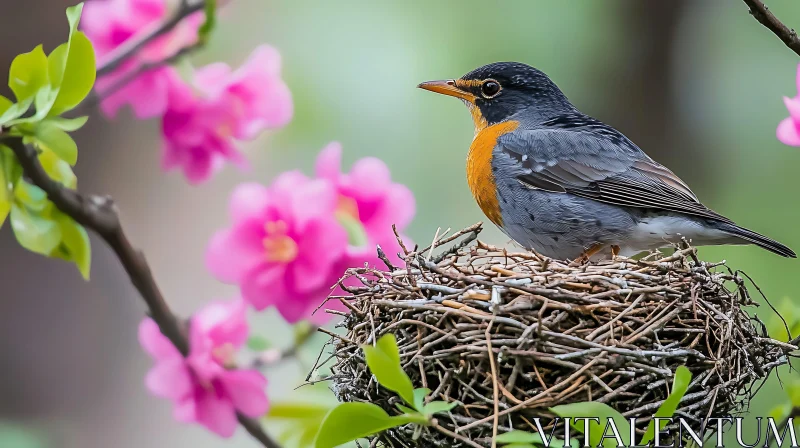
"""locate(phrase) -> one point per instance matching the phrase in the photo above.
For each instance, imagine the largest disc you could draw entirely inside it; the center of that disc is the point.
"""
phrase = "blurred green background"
(697, 84)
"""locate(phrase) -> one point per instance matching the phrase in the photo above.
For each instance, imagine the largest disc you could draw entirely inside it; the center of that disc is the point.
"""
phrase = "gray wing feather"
(597, 162)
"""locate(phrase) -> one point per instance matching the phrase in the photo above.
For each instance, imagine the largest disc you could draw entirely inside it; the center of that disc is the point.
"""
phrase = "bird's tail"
(758, 239)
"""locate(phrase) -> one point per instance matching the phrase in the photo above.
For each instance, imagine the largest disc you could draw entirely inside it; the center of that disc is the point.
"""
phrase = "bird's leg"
(587, 254)
(614, 251)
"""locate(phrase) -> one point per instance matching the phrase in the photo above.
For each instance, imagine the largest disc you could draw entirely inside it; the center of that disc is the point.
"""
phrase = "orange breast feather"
(479, 169)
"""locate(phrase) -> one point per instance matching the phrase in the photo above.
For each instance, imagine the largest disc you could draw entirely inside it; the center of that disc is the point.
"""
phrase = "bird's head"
(497, 92)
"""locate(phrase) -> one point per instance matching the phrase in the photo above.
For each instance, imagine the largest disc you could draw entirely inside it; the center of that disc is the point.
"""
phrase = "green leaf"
(258, 343)
(211, 21)
(419, 397)
(384, 362)
(15, 435)
(10, 172)
(68, 124)
(49, 137)
(780, 411)
(5, 197)
(356, 234)
(71, 70)
(405, 409)
(28, 74)
(78, 75)
(30, 196)
(792, 388)
(304, 420)
(294, 411)
(15, 111)
(34, 232)
(58, 169)
(601, 411)
(435, 407)
(75, 246)
(667, 409)
(353, 421)
(518, 437)
(11, 167)
(5, 104)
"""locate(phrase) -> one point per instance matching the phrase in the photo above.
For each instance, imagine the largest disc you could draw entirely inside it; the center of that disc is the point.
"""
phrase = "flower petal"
(245, 388)
(212, 79)
(369, 178)
(329, 162)
(232, 253)
(265, 286)
(317, 198)
(185, 411)
(787, 132)
(169, 379)
(249, 201)
(320, 247)
(216, 414)
(155, 343)
(793, 105)
(224, 322)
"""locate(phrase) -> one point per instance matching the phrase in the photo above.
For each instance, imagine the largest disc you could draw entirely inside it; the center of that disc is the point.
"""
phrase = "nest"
(611, 331)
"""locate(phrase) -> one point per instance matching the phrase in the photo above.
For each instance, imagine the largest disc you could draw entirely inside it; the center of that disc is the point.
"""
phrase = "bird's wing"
(597, 162)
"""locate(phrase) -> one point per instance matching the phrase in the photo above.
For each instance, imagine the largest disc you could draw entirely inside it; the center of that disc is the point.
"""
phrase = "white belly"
(663, 231)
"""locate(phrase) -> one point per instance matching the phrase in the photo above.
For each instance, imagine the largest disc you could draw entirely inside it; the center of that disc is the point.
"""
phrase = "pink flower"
(202, 386)
(200, 126)
(194, 136)
(368, 195)
(252, 98)
(284, 245)
(110, 24)
(789, 129)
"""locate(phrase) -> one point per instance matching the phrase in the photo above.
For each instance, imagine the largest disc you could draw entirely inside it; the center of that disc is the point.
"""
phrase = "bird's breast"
(479, 168)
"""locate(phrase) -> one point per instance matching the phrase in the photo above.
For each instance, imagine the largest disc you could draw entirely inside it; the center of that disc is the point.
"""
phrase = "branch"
(95, 97)
(132, 46)
(100, 215)
(761, 12)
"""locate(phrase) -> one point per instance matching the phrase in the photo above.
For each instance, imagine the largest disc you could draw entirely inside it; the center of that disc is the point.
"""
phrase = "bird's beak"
(447, 87)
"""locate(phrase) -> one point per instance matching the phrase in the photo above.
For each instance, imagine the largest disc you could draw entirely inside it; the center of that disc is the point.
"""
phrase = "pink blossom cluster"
(788, 130)
(203, 385)
(290, 242)
(201, 120)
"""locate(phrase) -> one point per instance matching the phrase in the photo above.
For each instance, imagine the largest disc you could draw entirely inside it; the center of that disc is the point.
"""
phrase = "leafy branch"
(761, 12)
(37, 185)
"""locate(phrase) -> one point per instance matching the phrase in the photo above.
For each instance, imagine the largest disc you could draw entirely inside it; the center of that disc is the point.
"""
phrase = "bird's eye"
(490, 88)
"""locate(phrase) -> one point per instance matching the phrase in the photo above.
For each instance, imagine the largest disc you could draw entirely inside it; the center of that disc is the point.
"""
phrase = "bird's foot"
(587, 254)
(614, 251)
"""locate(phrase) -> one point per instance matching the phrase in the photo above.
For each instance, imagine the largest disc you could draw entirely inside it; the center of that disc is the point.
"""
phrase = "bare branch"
(133, 46)
(761, 12)
(100, 215)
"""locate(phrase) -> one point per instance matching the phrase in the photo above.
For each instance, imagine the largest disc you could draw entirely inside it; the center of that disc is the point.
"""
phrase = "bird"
(567, 185)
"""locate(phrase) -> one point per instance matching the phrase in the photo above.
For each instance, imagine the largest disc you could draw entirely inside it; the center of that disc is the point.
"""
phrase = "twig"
(95, 97)
(493, 367)
(761, 12)
(133, 46)
(382, 256)
(458, 437)
(100, 215)
(271, 358)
